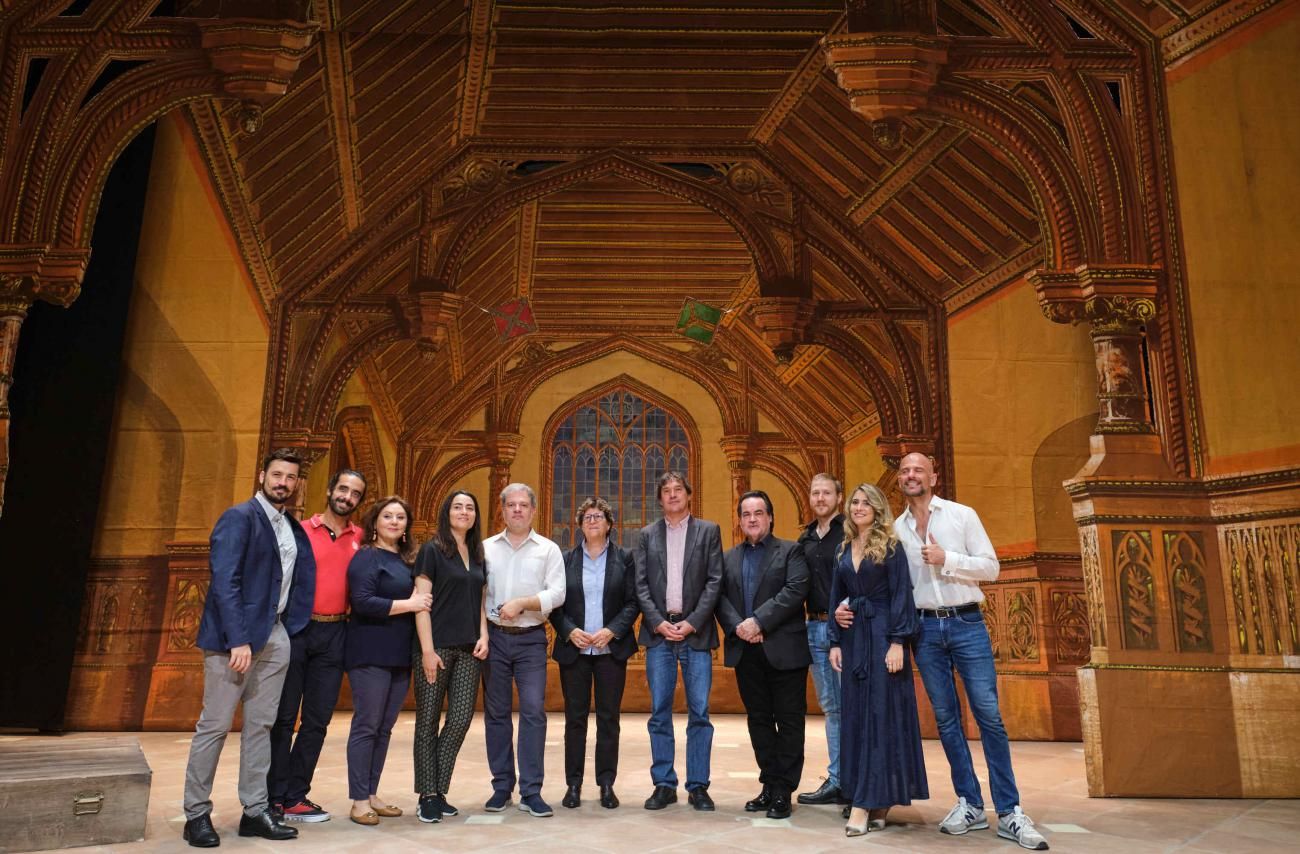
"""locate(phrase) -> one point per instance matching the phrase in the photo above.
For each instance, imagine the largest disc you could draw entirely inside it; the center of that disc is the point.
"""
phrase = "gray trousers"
(223, 690)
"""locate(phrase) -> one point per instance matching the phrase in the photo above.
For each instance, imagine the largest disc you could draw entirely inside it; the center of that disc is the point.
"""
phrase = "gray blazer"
(778, 604)
(701, 580)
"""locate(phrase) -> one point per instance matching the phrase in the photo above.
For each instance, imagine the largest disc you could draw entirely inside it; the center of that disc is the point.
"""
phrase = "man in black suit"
(678, 575)
(593, 641)
(261, 592)
(764, 584)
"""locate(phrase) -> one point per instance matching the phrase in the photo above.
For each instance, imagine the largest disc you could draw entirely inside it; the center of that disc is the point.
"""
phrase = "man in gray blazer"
(764, 584)
(678, 575)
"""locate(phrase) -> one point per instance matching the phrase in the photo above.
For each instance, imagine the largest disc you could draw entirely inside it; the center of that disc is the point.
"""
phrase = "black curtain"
(65, 384)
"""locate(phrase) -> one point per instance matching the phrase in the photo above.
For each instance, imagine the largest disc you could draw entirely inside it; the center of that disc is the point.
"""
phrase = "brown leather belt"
(818, 615)
(328, 618)
(514, 630)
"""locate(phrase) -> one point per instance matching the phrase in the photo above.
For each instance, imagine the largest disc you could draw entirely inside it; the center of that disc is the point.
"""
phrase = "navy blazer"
(701, 580)
(244, 557)
(376, 578)
(778, 604)
(619, 607)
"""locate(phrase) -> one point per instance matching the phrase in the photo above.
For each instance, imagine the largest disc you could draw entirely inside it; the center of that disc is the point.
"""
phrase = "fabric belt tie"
(863, 639)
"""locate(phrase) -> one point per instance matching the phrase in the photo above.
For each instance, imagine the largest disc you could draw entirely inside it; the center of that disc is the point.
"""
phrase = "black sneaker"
(446, 808)
(428, 811)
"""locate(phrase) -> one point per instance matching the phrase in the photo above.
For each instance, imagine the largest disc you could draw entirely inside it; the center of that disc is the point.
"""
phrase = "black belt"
(515, 630)
(675, 616)
(818, 615)
(946, 613)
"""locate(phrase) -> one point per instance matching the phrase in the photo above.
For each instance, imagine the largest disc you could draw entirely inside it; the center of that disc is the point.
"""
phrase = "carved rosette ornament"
(1117, 302)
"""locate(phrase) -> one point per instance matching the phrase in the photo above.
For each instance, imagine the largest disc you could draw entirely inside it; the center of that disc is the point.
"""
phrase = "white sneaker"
(1019, 828)
(962, 818)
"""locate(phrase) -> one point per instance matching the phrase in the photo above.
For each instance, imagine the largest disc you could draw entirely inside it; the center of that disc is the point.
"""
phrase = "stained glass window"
(615, 446)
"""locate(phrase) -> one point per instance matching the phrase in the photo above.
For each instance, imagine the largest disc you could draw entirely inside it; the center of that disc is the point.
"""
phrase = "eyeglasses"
(594, 517)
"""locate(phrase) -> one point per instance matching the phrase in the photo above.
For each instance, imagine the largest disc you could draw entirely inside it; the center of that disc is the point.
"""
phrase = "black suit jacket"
(778, 604)
(701, 580)
(619, 606)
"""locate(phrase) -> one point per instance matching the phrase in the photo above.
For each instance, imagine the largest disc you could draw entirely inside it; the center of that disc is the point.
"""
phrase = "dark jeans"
(312, 683)
(963, 642)
(518, 661)
(377, 695)
(776, 704)
(609, 676)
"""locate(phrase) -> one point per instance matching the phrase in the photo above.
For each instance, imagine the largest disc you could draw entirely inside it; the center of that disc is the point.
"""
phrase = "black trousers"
(576, 680)
(776, 706)
(436, 744)
(312, 686)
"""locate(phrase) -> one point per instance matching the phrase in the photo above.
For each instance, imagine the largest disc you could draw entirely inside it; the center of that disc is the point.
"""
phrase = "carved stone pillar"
(501, 447)
(13, 311)
(737, 451)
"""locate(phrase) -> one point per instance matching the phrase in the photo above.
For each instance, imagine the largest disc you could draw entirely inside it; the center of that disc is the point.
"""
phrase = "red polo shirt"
(333, 554)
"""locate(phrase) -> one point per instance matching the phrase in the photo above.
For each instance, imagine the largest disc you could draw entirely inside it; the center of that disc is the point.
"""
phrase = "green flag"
(698, 320)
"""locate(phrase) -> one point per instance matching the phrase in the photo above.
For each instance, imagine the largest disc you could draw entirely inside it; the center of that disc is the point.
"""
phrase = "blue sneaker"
(498, 802)
(535, 806)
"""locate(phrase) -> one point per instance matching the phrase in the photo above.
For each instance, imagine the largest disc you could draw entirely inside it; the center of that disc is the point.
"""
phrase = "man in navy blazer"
(261, 592)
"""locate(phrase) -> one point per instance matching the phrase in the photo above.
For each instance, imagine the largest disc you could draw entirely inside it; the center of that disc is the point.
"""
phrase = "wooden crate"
(66, 792)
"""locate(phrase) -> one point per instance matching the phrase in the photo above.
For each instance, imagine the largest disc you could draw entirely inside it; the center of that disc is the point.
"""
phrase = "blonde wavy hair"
(881, 539)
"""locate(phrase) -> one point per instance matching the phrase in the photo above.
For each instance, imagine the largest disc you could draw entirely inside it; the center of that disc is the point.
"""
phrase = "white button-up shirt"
(970, 556)
(536, 568)
(288, 547)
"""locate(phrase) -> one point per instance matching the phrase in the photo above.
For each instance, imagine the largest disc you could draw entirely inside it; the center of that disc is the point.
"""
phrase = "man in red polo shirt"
(316, 654)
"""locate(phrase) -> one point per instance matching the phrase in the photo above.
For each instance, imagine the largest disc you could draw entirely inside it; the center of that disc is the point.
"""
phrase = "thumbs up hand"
(933, 553)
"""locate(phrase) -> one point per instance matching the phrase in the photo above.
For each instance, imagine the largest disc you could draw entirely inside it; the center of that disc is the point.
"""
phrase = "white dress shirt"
(970, 557)
(536, 568)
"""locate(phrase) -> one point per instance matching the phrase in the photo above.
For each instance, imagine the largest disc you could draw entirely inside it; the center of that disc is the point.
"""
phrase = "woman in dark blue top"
(881, 763)
(377, 653)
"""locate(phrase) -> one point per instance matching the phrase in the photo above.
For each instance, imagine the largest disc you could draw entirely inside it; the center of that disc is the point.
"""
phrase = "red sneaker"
(305, 810)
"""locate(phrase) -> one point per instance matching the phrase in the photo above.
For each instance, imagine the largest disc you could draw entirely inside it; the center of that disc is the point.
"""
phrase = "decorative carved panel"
(992, 620)
(1090, 558)
(1137, 589)
(1263, 561)
(1185, 566)
(1022, 628)
(1070, 617)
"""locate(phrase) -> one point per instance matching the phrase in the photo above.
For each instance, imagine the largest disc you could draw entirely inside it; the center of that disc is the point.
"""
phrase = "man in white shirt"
(949, 554)
(525, 582)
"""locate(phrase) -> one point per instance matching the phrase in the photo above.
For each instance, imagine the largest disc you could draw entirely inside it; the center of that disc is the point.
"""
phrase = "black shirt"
(820, 552)
(457, 595)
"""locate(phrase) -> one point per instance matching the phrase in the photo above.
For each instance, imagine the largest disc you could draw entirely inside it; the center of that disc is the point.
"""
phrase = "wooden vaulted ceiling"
(398, 94)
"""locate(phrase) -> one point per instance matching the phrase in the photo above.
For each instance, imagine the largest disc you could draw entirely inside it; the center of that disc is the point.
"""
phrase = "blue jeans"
(827, 683)
(963, 642)
(661, 662)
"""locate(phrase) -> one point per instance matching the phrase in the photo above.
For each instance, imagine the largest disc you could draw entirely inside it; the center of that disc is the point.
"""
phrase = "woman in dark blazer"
(593, 641)
(377, 652)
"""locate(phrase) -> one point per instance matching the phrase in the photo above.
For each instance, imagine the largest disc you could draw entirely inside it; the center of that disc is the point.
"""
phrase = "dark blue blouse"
(377, 577)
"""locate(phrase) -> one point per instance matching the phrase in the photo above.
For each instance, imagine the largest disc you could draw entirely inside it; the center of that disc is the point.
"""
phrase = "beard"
(342, 507)
(276, 494)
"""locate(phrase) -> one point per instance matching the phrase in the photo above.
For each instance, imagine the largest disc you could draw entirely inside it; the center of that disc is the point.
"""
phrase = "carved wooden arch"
(358, 436)
(768, 261)
(1071, 233)
(790, 476)
(424, 499)
(320, 412)
(622, 382)
(883, 391)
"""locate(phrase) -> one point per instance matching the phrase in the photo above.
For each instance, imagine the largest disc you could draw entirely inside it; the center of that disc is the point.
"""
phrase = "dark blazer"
(620, 608)
(778, 604)
(244, 558)
(701, 580)
(375, 579)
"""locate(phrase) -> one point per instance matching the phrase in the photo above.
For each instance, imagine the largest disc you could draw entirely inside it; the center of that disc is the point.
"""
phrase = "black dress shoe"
(200, 833)
(827, 793)
(264, 825)
(608, 799)
(780, 807)
(847, 811)
(699, 798)
(761, 803)
(572, 797)
(661, 797)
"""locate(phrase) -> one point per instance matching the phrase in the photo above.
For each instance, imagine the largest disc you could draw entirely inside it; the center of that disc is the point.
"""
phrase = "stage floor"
(1050, 776)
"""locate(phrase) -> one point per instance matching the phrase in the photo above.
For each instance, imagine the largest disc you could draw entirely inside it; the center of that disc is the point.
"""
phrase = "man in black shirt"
(821, 540)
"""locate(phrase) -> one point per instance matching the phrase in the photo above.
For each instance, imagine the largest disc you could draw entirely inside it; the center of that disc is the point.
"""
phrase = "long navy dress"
(881, 763)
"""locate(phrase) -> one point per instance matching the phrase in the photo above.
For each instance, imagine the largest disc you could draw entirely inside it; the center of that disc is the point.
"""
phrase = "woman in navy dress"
(377, 651)
(881, 763)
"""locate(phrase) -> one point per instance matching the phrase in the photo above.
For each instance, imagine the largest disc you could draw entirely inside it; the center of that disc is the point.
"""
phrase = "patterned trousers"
(436, 746)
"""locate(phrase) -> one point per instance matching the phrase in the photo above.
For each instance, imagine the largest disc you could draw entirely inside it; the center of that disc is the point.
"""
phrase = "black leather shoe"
(780, 807)
(847, 811)
(699, 798)
(828, 793)
(608, 799)
(572, 797)
(200, 833)
(264, 825)
(761, 803)
(661, 797)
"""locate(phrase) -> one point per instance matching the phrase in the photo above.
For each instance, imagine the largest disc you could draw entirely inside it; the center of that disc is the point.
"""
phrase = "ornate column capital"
(427, 312)
(34, 272)
(894, 448)
(783, 323)
(256, 56)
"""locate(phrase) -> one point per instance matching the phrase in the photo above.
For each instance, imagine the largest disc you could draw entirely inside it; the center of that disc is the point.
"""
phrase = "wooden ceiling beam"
(477, 58)
(338, 90)
(932, 146)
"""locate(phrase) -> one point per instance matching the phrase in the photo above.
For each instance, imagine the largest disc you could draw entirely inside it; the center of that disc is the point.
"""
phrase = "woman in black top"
(377, 650)
(451, 638)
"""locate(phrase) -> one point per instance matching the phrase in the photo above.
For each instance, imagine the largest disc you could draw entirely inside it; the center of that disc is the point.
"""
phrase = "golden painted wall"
(1235, 125)
(185, 435)
(1023, 402)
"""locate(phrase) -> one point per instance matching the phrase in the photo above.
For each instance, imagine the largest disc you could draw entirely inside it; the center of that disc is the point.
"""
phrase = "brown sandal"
(369, 818)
